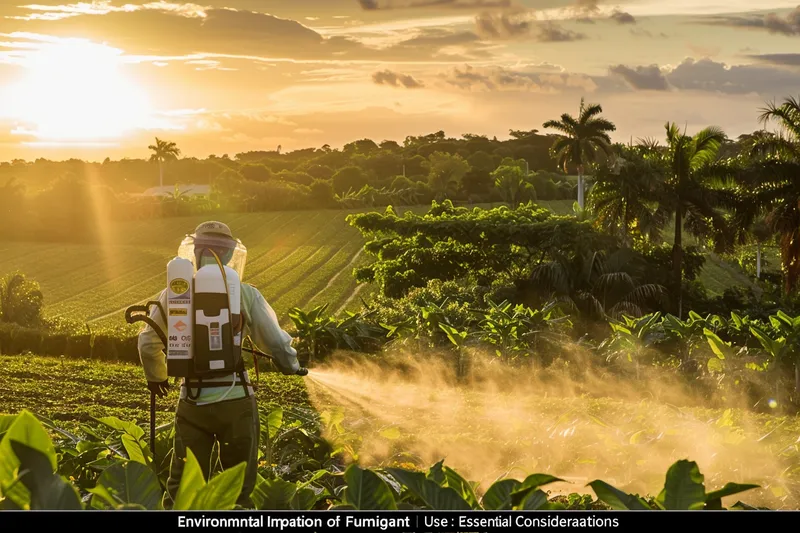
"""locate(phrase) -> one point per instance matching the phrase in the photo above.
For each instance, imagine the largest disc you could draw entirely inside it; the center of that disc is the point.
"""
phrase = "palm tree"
(600, 284)
(786, 144)
(163, 151)
(625, 196)
(770, 188)
(580, 140)
(689, 192)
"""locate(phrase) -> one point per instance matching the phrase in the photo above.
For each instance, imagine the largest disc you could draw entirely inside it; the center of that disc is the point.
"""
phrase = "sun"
(77, 91)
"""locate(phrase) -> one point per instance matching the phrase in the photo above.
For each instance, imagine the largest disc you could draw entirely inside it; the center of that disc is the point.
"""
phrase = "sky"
(102, 79)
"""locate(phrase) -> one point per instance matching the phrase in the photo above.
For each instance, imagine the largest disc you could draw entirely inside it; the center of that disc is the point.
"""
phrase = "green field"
(577, 438)
(296, 258)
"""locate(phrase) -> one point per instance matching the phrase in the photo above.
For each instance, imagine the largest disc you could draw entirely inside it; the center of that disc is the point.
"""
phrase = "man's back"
(260, 323)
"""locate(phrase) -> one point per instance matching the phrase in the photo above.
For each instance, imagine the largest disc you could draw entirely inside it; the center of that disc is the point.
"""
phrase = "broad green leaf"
(414, 482)
(498, 497)
(48, 490)
(443, 498)
(222, 491)
(431, 493)
(366, 491)
(617, 499)
(122, 425)
(714, 498)
(134, 449)
(28, 430)
(772, 346)
(436, 473)
(304, 500)
(102, 498)
(461, 486)
(192, 481)
(5, 423)
(718, 346)
(132, 482)
(273, 494)
(531, 483)
(274, 422)
(683, 489)
(533, 501)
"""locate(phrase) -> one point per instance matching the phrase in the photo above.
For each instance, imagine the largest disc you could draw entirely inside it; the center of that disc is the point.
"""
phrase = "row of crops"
(293, 258)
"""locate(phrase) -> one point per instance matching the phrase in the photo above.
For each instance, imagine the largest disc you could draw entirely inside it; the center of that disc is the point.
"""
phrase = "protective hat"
(216, 236)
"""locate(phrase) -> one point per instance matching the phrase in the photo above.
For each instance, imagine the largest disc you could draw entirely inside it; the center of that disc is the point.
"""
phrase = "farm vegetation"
(680, 259)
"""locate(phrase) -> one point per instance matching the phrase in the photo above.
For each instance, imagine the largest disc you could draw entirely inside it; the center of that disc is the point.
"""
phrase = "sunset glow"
(115, 74)
(76, 91)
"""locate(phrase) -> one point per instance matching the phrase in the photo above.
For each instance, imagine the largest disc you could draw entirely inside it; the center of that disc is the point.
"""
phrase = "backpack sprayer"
(204, 323)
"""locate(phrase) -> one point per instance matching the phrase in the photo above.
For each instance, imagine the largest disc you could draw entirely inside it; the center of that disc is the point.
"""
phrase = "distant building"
(169, 190)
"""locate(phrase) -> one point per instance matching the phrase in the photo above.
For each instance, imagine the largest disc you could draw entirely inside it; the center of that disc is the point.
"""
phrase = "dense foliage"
(111, 466)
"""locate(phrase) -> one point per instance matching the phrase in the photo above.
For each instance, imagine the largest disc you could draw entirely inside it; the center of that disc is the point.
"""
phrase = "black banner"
(389, 521)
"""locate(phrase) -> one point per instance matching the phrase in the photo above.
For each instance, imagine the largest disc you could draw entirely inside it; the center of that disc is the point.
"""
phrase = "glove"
(302, 371)
(159, 387)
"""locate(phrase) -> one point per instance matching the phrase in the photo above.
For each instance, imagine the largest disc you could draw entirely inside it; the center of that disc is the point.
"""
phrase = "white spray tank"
(234, 302)
(217, 349)
(180, 275)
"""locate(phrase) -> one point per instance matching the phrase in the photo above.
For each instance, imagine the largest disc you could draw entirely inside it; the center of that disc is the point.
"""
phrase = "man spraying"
(214, 405)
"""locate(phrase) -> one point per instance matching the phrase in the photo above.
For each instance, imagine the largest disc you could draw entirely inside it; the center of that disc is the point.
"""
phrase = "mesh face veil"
(230, 251)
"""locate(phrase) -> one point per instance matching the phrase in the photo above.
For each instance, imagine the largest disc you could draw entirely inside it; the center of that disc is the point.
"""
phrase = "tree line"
(559, 164)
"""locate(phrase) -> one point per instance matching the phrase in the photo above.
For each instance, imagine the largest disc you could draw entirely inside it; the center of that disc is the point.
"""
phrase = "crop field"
(296, 258)
(626, 443)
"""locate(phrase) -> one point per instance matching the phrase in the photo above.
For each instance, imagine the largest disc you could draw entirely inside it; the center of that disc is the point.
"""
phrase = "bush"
(79, 346)
(55, 345)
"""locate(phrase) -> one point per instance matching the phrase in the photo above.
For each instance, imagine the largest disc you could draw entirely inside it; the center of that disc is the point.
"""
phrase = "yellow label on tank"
(177, 312)
(179, 286)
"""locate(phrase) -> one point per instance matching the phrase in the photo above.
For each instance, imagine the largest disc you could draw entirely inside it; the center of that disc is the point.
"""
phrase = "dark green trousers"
(232, 423)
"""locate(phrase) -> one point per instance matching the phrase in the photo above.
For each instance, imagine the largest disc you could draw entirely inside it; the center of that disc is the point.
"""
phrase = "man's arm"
(151, 350)
(267, 333)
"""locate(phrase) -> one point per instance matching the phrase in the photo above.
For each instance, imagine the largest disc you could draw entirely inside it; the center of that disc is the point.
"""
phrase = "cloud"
(504, 25)
(104, 7)
(792, 60)
(165, 32)
(707, 75)
(648, 78)
(388, 77)
(586, 7)
(771, 22)
(622, 17)
(374, 5)
(550, 32)
(543, 78)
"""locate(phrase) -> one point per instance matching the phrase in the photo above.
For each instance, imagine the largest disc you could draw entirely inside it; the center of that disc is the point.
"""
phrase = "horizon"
(102, 79)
